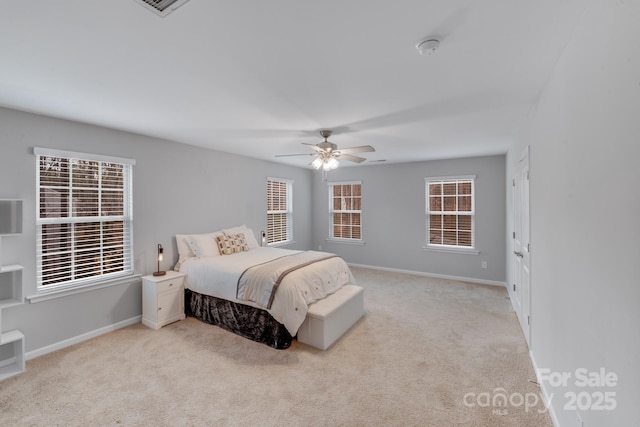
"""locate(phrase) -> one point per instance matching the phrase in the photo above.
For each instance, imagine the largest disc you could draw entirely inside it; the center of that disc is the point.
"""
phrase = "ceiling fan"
(327, 153)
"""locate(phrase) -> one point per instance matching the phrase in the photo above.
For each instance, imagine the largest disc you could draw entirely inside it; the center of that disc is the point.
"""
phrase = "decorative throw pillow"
(250, 238)
(232, 244)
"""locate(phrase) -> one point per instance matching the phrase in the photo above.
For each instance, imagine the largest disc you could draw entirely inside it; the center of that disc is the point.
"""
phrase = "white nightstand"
(162, 299)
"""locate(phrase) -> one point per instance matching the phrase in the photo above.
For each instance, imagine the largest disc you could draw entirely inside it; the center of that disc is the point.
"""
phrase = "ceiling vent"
(161, 7)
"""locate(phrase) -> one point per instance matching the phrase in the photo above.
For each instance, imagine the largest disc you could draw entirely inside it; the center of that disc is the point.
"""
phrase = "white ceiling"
(257, 78)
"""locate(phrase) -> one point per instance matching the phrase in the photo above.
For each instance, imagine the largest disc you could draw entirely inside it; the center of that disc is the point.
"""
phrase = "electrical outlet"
(579, 419)
(484, 264)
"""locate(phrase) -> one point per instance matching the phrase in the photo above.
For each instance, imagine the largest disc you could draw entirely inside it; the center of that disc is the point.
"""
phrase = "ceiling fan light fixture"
(330, 164)
(327, 154)
(317, 163)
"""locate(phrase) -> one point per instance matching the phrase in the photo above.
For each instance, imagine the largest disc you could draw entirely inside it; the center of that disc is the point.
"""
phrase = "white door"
(520, 290)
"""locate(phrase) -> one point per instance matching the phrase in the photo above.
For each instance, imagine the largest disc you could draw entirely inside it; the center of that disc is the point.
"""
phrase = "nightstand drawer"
(169, 285)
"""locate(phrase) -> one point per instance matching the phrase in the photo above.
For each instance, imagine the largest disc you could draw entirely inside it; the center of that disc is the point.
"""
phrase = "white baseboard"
(78, 339)
(437, 276)
(543, 389)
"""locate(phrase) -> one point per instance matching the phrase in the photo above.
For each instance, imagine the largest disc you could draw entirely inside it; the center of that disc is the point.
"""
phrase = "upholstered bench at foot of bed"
(330, 317)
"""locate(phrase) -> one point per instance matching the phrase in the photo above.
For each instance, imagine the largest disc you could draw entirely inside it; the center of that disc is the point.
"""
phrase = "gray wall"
(185, 189)
(584, 138)
(393, 218)
(177, 189)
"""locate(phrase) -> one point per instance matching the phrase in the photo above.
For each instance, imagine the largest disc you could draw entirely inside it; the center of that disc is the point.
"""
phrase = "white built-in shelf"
(11, 342)
(11, 336)
(10, 302)
(8, 268)
(10, 286)
(12, 361)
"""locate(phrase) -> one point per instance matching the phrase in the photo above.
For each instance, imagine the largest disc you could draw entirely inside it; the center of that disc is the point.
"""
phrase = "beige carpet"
(423, 345)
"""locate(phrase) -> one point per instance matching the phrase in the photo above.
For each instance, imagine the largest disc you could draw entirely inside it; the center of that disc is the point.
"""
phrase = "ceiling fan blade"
(360, 149)
(314, 146)
(351, 158)
(289, 155)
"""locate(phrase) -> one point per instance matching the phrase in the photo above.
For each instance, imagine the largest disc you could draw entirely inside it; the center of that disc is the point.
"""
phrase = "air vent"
(161, 7)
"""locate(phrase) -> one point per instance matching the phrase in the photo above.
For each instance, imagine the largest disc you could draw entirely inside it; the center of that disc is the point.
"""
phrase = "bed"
(260, 293)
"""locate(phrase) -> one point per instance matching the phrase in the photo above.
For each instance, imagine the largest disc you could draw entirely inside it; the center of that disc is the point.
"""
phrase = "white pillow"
(204, 245)
(248, 235)
(184, 250)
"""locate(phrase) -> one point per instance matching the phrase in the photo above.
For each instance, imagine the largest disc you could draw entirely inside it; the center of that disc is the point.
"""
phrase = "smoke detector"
(161, 7)
(428, 46)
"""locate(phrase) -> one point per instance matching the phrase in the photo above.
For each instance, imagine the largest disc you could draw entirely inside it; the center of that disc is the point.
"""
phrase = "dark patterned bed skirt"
(249, 322)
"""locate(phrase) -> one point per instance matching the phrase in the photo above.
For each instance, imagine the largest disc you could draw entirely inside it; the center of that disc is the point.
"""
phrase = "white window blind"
(84, 220)
(450, 212)
(279, 211)
(345, 206)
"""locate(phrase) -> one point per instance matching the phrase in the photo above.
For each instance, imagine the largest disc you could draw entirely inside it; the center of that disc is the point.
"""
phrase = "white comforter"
(218, 276)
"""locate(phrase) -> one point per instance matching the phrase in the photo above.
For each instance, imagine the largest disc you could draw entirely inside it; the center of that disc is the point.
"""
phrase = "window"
(279, 211)
(345, 206)
(450, 212)
(84, 220)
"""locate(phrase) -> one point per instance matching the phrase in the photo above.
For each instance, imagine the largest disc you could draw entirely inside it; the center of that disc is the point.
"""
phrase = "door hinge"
(528, 247)
(527, 175)
(528, 320)
(514, 287)
(513, 182)
(514, 234)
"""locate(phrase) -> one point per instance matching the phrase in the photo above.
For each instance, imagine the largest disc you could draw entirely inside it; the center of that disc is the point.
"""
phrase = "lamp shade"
(332, 163)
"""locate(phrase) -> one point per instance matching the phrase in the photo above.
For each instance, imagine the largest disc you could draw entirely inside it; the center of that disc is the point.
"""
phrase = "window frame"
(472, 214)
(287, 212)
(71, 219)
(332, 212)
